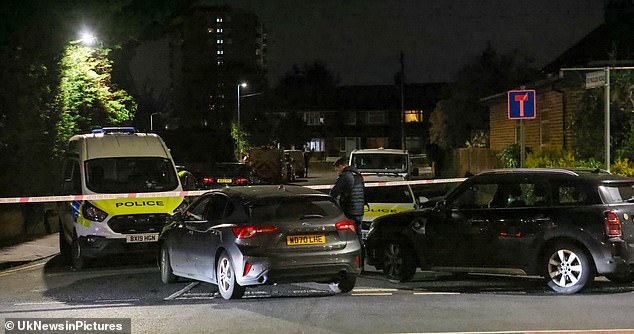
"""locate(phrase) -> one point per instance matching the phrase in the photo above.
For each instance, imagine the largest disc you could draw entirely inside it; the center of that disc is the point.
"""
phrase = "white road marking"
(181, 291)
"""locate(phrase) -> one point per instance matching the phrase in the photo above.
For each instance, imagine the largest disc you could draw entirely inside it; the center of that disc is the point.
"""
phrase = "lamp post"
(243, 85)
(152, 120)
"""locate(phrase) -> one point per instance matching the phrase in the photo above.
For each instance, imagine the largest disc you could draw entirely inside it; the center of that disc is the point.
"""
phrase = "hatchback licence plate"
(144, 237)
(314, 239)
(225, 180)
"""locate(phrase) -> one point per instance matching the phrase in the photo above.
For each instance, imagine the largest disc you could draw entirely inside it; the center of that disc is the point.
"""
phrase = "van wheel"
(78, 259)
(226, 277)
(398, 261)
(65, 249)
(568, 269)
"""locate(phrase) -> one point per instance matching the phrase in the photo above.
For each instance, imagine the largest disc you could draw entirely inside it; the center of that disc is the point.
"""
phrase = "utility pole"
(402, 77)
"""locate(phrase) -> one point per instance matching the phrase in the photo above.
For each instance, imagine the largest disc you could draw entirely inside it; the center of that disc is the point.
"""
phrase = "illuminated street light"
(243, 85)
(87, 38)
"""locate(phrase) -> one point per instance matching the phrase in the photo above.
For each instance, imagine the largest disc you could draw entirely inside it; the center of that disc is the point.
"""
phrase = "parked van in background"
(110, 161)
(382, 161)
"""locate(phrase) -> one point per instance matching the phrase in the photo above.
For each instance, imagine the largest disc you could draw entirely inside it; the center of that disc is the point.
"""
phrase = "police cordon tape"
(70, 198)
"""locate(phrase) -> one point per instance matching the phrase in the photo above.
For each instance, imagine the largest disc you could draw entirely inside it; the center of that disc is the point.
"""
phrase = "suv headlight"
(93, 213)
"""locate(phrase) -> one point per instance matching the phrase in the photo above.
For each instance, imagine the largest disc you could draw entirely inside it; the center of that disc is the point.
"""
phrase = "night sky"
(361, 40)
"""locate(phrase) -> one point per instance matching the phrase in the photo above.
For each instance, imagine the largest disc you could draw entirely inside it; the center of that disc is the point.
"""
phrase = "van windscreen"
(380, 162)
(130, 175)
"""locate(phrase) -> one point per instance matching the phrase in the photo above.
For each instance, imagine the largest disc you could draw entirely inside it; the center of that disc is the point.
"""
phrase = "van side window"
(72, 178)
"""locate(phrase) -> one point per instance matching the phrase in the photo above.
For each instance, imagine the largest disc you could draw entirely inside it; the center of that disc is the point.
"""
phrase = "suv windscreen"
(130, 175)
(617, 193)
(380, 162)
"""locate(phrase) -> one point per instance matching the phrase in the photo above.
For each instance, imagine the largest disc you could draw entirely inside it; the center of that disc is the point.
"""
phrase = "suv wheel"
(398, 261)
(226, 277)
(568, 269)
(167, 274)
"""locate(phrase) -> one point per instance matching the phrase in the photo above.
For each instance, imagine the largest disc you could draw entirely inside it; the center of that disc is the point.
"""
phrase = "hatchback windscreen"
(293, 209)
(130, 174)
(617, 193)
(380, 162)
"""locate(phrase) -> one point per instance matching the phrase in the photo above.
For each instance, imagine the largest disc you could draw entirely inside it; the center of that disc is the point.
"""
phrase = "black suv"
(565, 225)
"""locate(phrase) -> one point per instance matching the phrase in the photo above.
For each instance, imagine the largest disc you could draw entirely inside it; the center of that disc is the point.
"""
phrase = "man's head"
(340, 164)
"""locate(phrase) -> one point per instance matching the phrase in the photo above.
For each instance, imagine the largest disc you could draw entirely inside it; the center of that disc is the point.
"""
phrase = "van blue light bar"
(123, 129)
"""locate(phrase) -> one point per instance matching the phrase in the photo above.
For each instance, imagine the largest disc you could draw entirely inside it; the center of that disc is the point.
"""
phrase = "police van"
(113, 161)
(384, 195)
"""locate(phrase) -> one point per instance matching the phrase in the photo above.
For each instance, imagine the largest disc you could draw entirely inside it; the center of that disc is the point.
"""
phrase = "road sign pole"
(607, 119)
(522, 143)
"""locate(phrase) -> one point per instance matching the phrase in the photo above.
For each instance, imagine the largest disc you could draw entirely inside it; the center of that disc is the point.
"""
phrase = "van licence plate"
(314, 239)
(144, 237)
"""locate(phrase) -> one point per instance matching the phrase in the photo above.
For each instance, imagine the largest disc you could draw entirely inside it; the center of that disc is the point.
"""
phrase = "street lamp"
(152, 120)
(243, 85)
(87, 38)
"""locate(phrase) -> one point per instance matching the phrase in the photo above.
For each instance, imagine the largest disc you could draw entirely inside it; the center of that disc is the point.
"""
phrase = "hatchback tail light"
(346, 225)
(244, 232)
(208, 180)
(612, 224)
(241, 181)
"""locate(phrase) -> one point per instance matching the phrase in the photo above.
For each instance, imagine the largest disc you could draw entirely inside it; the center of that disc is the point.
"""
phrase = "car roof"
(251, 193)
(380, 151)
(594, 174)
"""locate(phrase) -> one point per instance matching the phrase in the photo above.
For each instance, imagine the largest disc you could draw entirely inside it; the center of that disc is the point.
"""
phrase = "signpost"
(521, 106)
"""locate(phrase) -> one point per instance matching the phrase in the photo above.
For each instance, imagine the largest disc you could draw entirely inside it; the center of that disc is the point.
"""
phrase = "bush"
(553, 157)
(622, 166)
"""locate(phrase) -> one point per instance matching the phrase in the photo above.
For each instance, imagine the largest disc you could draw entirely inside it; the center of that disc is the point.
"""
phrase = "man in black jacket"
(349, 191)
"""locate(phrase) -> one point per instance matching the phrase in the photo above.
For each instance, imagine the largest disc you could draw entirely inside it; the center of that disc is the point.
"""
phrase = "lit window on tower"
(413, 116)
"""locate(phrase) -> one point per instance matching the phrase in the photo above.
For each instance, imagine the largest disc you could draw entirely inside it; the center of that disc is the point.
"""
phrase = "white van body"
(115, 161)
(381, 161)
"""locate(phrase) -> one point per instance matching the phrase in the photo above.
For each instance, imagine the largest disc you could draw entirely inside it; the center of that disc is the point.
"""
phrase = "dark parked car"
(567, 226)
(245, 236)
(223, 174)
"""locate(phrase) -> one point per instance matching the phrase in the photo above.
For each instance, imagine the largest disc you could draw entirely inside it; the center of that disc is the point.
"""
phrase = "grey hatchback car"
(246, 236)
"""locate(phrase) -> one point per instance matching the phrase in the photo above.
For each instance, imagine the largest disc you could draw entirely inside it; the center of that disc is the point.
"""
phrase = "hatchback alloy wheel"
(227, 285)
(568, 269)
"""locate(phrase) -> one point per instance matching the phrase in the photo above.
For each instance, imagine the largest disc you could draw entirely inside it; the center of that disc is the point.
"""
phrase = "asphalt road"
(125, 287)
(431, 302)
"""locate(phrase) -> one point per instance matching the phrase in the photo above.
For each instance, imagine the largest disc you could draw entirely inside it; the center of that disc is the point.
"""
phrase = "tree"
(587, 126)
(87, 97)
(465, 116)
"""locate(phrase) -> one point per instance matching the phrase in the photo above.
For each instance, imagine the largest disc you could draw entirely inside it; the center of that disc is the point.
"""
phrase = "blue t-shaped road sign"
(521, 104)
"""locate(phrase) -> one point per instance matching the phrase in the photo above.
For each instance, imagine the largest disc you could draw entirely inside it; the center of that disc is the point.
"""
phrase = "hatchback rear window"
(293, 209)
(617, 193)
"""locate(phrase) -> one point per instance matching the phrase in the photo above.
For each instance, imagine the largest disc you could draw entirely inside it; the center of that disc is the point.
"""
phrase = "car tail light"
(207, 180)
(612, 224)
(247, 268)
(241, 181)
(244, 232)
(346, 225)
